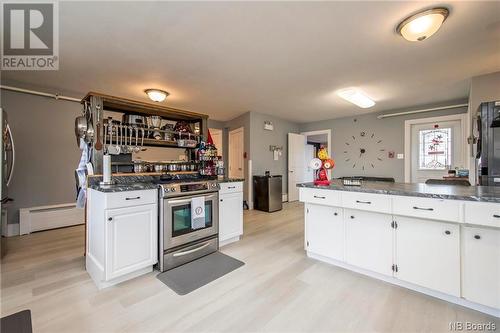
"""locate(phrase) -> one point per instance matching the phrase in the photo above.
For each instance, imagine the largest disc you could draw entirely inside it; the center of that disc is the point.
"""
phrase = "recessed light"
(156, 95)
(422, 25)
(357, 97)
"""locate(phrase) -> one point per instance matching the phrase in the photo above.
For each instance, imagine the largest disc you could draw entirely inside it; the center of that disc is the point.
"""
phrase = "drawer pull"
(448, 232)
(110, 219)
(231, 187)
(134, 198)
(496, 216)
(419, 208)
(335, 214)
(364, 202)
(477, 237)
(318, 197)
(352, 216)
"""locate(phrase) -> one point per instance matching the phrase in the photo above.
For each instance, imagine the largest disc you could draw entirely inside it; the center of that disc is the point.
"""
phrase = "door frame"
(328, 133)
(220, 150)
(242, 130)
(462, 117)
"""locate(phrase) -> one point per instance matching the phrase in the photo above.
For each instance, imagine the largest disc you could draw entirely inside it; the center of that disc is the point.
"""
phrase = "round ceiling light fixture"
(422, 25)
(156, 95)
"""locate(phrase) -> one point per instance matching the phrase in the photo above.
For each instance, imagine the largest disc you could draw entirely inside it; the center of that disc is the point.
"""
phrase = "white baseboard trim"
(229, 241)
(49, 217)
(452, 299)
(284, 197)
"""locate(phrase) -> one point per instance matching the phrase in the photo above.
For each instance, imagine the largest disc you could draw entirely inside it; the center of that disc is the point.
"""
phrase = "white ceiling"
(281, 58)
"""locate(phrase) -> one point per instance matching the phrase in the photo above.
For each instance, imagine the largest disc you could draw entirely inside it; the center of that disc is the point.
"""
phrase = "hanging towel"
(198, 212)
(81, 175)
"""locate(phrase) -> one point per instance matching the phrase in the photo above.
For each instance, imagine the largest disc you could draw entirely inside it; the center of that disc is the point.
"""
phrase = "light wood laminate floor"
(278, 290)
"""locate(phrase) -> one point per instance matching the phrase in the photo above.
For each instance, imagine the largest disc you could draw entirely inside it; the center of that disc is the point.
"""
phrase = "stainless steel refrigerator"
(7, 153)
(488, 145)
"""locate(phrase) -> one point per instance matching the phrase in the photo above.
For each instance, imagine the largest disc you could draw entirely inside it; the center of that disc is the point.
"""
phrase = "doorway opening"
(236, 151)
(302, 148)
(217, 135)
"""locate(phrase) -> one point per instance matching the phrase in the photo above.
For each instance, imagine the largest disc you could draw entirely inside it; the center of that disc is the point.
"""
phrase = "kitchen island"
(440, 240)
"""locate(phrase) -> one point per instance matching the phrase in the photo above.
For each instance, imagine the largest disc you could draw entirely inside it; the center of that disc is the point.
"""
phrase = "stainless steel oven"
(177, 220)
(179, 242)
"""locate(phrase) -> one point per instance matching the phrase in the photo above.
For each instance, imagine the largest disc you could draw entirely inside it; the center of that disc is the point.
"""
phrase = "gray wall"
(46, 150)
(261, 139)
(389, 130)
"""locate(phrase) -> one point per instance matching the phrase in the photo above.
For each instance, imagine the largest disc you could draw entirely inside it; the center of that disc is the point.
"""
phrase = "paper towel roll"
(106, 168)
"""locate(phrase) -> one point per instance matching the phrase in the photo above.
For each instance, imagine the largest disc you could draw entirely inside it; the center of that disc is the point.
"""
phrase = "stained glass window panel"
(435, 149)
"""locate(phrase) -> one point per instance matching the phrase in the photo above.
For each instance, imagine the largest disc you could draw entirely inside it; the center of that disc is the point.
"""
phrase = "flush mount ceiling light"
(156, 95)
(421, 26)
(357, 97)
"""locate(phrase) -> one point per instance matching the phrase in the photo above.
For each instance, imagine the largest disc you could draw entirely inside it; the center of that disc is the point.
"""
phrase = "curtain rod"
(40, 93)
(382, 116)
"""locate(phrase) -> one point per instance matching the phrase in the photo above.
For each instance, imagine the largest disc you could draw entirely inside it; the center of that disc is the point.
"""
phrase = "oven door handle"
(183, 253)
(179, 201)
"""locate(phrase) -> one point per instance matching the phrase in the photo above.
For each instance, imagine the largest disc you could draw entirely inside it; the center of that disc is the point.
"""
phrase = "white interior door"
(296, 164)
(236, 151)
(435, 147)
(217, 138)
(310, 153)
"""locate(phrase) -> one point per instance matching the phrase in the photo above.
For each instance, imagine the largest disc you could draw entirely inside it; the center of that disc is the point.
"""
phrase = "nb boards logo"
(30, 37)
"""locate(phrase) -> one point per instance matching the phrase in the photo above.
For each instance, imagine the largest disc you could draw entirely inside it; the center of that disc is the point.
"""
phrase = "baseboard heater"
(49, 217)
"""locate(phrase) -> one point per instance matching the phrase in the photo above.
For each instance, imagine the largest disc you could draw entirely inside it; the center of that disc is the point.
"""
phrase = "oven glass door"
(181, 218)
(177, 220)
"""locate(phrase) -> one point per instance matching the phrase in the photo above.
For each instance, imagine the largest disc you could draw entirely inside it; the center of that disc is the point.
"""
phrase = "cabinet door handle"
(134, 198)
(448, 232)
(477, 237)
(429, 209)
(364, 202)
(496, 216)
(110, 219)
(335, 214)
(221, 200)
(352, 216)
(318, 197)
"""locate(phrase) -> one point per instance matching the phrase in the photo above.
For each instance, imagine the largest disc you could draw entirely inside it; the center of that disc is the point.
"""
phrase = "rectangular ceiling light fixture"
(357, 97)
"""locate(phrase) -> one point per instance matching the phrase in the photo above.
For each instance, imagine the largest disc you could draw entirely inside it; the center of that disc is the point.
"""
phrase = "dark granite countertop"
(134, 182)
(125, 187)
(469, 193)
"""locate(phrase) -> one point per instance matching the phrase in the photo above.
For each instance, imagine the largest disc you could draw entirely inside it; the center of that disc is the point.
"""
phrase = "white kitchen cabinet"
(131, 238)
(325, 231)
(481, 272)
(368, 240)
(230, 213)
(428, 254)
(122, 235)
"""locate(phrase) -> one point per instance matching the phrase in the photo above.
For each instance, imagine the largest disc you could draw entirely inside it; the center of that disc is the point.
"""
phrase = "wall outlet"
(401, 156)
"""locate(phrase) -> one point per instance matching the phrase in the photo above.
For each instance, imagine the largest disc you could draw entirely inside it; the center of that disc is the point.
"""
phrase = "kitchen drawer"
(130, 198)
(482, 213)
(319, 196)
(379, 203)
(231, 187)
(427, 208)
